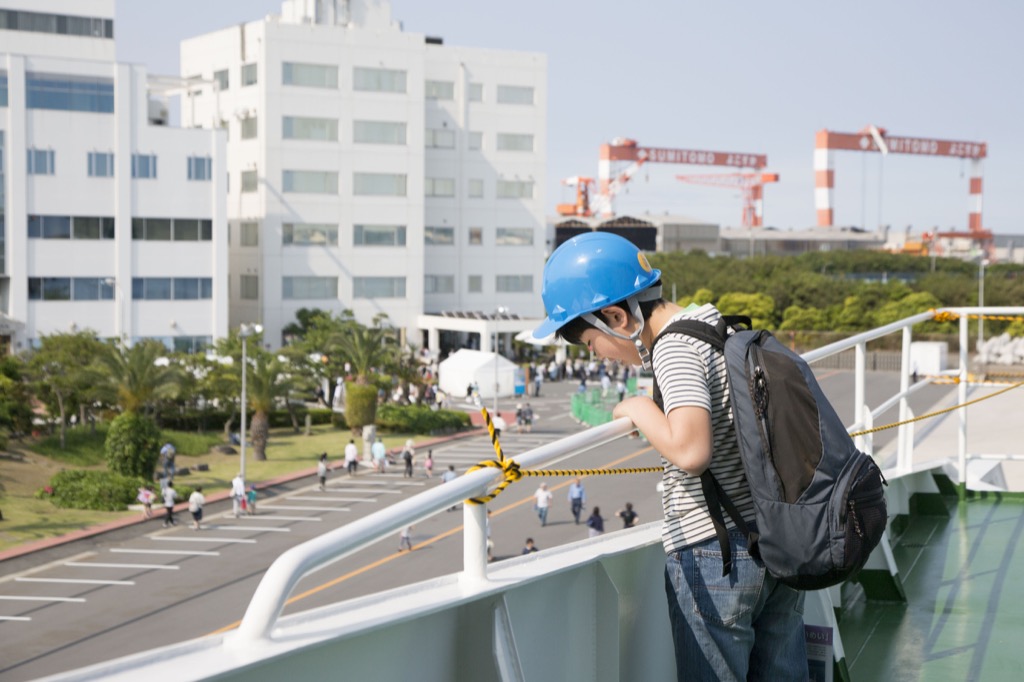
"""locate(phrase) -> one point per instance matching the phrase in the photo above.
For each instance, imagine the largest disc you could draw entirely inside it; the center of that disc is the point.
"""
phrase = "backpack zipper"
(759, 398)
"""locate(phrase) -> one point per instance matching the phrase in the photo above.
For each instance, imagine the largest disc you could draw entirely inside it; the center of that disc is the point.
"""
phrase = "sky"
(736, 77)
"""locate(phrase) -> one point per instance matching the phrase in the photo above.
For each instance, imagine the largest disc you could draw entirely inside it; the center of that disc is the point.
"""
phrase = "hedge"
(420, 419)
(93, 489)
(213, 420)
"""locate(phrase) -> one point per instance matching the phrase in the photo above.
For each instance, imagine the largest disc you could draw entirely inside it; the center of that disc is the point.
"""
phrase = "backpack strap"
(714, 495)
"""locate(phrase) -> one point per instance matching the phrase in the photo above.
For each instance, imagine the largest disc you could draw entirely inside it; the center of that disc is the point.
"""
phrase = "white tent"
(465, 366)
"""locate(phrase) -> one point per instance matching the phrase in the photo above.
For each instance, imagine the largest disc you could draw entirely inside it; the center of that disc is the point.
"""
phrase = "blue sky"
(739, 77)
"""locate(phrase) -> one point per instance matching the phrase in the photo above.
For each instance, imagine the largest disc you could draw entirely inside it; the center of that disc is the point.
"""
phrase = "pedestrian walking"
(351, 457)
(428, 464)
(408, 454)
(405, 539)
(321, 471)
(577, 498)
(380, 460)
(170, 496)
(167, 454)
(146, 497)
(237, 494)
(538, 379)
(195, 506)
(447, 476)
(528, 417)
(629, 517)
(250, 498)
(608, 298)
(620, 388)
(595, 524)
(542, 503)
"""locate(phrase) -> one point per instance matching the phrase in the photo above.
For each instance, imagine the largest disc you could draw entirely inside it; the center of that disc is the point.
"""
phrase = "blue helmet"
(590, 272)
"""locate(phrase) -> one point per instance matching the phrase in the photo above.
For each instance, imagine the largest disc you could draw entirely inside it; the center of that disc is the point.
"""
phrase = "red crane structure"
(874, 139)
(750, 184)
(596, 197)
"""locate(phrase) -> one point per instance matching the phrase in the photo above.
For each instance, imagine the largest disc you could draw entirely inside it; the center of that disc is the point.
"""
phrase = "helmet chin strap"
(650, 294)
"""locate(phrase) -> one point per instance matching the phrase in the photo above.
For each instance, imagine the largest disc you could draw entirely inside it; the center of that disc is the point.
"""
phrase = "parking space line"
(128, 550)
(75, 581)
(295, 507)
(12, 597)
(15, 618)
(87, 564)
(177, 538)
(270, 529)
(372, 490)
(277, 517)
(329, 498)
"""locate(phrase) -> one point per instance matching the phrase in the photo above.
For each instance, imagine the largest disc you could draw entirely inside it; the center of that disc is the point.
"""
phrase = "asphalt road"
(145, 586)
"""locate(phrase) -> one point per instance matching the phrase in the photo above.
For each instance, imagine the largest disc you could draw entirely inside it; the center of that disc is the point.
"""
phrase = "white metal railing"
(284, 574)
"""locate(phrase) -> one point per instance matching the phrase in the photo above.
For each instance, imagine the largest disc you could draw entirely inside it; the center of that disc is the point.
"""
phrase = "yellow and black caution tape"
(513, 473)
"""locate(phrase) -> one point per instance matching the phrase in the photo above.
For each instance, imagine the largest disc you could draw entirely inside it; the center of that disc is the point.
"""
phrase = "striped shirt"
(691, 372)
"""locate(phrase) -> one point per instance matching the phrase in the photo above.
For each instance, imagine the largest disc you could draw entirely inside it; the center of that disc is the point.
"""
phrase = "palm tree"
(368, 349)
(140, 376)
(266, 382)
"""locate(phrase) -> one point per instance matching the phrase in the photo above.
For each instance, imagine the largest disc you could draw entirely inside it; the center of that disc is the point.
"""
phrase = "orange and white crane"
(597, 197)
(750, 184)
(874, 139)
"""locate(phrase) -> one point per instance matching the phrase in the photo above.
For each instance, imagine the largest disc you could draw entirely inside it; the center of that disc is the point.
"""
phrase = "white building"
(371, 169)
(109, 219)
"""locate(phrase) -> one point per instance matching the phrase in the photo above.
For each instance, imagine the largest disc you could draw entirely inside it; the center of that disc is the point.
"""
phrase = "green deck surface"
(964, 620)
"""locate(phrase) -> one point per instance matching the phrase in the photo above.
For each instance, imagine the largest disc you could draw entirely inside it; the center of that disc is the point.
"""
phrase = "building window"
(513, 283)
(310, 182)
(309, 234)
(378, 132)
(302, 128)
(439, 284)
(378, 287)
(60, 24)
(200, 168)
(70, 289)
(476, 92)
(378, 235)
(92, 289)
(439, 236)
(42, 162)
(249, 181)
(309, 75)
(248, 127)
(306, 288)
(476, 141)
(378, 80)
(439, 138)
(476, 236)
(101, 165)
(514, 236)
(476, 188)
(249, 287)
(190, 344)
(515, 94)
(167, 288)
(475, 284)
(439, 187)
(221, 79)
(168, 229)
(249, 75)
(440, 90)
(515, 189)
(515, 142)
(3, 89)
(49, 227)
(379, 184)
(249, 233)
(69, 93)
(144, 166)
(86, 227)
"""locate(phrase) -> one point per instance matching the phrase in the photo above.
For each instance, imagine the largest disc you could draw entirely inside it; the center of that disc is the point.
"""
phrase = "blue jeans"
(542, 514)
(744, 626)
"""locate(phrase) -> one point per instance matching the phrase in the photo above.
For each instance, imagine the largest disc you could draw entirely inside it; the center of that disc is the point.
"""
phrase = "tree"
(140, 376)
(15, 402)
(133, 445)
(759, 307)
(267, 381)
(63, 370)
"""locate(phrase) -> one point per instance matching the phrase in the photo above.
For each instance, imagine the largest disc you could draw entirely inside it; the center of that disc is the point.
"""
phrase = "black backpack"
(818, 500)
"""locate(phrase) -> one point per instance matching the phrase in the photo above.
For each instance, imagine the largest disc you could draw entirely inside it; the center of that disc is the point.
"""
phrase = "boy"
(600, 291)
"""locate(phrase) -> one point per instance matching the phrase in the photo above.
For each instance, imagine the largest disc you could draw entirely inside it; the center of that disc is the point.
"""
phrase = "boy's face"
(608, 347)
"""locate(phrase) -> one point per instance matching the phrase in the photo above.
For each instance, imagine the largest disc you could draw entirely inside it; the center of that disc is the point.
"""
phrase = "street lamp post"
(244, 332)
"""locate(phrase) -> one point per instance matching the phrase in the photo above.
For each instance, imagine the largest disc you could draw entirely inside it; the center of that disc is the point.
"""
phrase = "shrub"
(338, 419)
(92, 489)
(360, 404)
(419, 419)
(133, 445)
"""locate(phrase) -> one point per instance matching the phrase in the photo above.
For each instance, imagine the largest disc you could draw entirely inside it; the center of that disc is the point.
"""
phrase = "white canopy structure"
(465, 366)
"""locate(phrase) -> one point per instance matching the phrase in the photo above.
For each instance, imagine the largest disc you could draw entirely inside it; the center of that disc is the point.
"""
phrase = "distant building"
(372, 169)
(109, 219)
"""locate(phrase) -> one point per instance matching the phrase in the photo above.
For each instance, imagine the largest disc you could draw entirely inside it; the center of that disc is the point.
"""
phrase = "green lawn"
(32, 463)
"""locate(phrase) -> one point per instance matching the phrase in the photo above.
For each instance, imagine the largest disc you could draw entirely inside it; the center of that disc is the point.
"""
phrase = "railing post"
(474, 543)
(904, 452)
(860, 410)
(962, 398)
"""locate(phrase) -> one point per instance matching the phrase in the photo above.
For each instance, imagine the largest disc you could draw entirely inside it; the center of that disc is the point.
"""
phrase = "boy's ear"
(615, 316)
